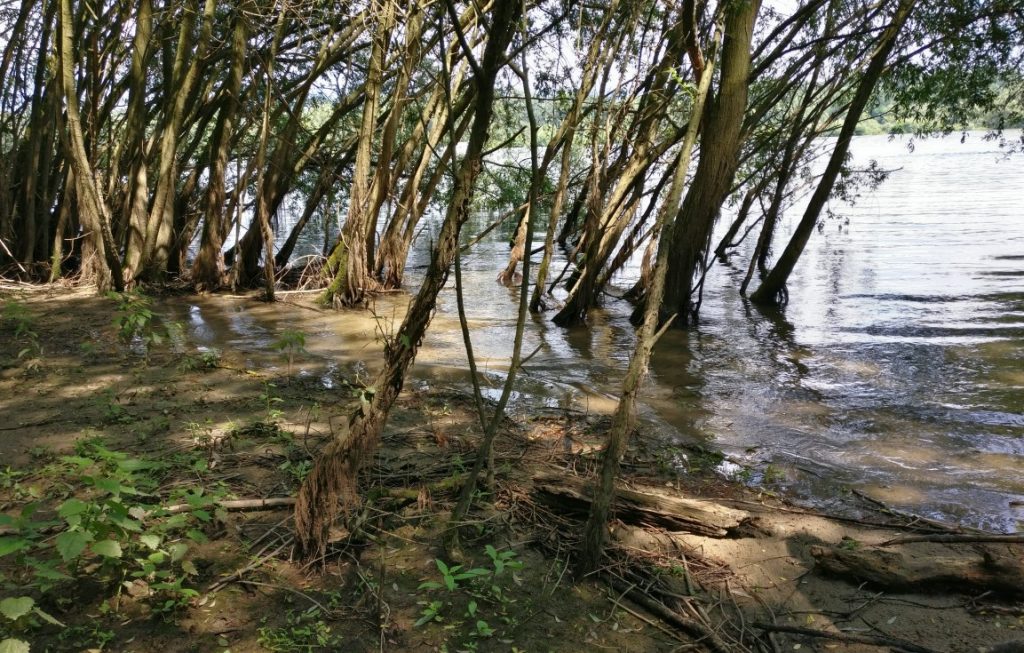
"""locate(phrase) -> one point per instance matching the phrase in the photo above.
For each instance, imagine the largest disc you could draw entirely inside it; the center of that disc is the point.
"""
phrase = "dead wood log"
(648, 507)
(1000, 571)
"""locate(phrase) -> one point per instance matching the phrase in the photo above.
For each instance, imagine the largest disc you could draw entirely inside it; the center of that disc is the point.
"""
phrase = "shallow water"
(897, 369)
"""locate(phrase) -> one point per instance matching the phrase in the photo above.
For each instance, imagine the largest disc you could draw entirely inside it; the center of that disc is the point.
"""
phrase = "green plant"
(113, 529)
(24, 333)
(291, 343)
(773, 474)
(271, 401)
(21, 614)
(204, 360)
(303, 631)
(136, 322)
(481, 591)
(92, 636)
(113, 411)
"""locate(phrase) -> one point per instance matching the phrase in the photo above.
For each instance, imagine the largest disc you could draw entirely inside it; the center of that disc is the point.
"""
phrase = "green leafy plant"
(112, 529)
(481, 590)
(291, 343)
(271, 401)
(303, 631)
(136, 322)
(201, 362)
(25, 335)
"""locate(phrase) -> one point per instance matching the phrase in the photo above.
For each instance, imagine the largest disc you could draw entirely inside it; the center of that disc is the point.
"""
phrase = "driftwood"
(650, 508)
(1000, 571)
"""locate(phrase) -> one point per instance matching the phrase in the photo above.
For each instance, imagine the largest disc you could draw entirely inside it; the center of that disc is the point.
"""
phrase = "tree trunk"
(719, 158)
(772, 289)
(596, 530)
(348, 264)
(92, 208)
(335, 470)
(208, 268)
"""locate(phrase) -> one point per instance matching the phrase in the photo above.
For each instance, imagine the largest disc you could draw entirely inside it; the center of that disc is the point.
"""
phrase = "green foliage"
(468, 595)
(136, 322)
(30, 350)
(303, 631)
(291, 343)
(271, 401)
(201, 362)
(113, 529)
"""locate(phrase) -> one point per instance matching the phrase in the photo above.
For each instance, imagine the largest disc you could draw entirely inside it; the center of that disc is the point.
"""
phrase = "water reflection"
(897, 368)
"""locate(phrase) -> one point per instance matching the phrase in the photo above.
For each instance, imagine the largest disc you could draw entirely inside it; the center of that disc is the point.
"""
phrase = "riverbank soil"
(146, 487)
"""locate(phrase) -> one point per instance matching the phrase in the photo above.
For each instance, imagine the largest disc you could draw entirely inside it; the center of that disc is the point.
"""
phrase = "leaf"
(430, 585)
(47, 572)
(189, 568)
(471, 608)
(107, 548)
(150, 540)
(9, 545)
(46, 616)
(72, 507)
(178, 551)
(15, 608)
(443, 568)
(70, 544)
(13, 646)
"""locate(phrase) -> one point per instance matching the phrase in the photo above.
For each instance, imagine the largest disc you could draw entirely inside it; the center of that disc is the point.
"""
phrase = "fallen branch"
(649, 507)
(695, 629)
(233, 505)
(1010, 538)
(876, 640)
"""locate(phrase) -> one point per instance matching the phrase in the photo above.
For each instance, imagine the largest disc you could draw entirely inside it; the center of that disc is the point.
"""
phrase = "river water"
(897, 369)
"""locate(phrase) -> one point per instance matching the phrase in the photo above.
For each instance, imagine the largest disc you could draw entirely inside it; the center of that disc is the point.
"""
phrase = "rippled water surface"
(897, 369)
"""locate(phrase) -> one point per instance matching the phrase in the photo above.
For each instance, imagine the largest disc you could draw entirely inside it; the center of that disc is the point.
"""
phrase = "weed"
(203, 361)
(91, 636)
(773, 474)
(136, 322)
(291, 343)
(271, 401)
(296, 470)
(303, 631)
(24, 334)
(479, 588)
(112, 530)
(113, 411)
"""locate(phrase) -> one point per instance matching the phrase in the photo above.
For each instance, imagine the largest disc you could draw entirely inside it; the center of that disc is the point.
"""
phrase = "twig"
(255, 564)
(876, 640)
(286, 589)
(692, 628)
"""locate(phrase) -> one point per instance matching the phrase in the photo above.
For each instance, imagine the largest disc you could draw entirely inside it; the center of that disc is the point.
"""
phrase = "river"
(897, 369)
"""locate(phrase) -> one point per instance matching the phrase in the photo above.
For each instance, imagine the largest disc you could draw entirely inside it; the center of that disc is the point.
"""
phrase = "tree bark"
(719, 158)
(771, 290)
(335, 470)
(623, 420)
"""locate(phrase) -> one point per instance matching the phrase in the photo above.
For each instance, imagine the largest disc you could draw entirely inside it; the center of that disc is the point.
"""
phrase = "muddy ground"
(123, 461)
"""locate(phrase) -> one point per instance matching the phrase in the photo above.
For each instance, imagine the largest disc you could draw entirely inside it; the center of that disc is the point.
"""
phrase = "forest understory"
(147, 493)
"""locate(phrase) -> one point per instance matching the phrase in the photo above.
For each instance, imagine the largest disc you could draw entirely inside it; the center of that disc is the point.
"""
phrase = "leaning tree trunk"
(772, 289)
(719, 158)
(335, 471)
(596, 530)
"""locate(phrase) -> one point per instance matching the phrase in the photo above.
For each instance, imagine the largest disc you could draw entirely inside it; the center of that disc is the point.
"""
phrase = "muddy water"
(897, 369)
